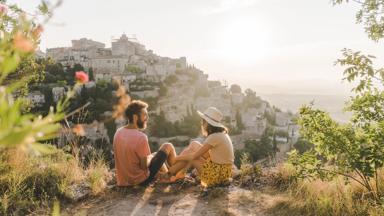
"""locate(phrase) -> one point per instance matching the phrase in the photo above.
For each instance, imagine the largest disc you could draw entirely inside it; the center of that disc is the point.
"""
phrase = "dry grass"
(28, 182)
(323, 197)
(98, 175)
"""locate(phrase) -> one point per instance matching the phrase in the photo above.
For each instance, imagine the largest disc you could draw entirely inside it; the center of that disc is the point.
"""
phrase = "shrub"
(98, 175)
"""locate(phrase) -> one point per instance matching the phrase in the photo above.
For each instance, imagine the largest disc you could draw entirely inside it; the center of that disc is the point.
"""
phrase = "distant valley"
(333, 104)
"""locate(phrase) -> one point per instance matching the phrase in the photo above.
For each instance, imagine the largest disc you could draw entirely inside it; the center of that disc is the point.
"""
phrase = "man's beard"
(141, 124)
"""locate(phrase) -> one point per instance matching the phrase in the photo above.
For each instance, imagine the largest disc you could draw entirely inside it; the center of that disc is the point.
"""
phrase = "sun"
(243, 39)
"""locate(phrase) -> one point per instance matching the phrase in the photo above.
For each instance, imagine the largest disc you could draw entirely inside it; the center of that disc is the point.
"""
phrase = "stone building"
(109, 64)
(58, 93)
(36, 98)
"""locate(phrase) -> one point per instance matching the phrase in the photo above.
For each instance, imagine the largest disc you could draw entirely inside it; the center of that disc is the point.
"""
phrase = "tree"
(251, 100)
(235, 89)
(91, 75)
(258, 149)
(354, 150)
(370, 15)
(302, 145)
(239, 122)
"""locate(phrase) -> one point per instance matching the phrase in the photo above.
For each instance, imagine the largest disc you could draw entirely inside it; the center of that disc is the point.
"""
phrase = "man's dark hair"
(210, 129)
(134, 108)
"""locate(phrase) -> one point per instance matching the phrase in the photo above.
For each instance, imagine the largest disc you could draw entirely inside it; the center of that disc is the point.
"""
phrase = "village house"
(237, 98)
(254, 121)
(80, 52)
(58, 93)
(36, 98)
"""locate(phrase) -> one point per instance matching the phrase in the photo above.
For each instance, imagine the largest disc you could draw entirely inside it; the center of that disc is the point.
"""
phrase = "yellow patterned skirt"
(213, 174)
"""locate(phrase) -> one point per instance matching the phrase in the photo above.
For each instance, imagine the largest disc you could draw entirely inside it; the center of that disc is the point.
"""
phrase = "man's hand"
(145, 161)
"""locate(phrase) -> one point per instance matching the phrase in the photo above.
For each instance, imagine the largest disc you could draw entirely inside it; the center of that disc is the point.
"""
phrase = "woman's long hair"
(210, 129)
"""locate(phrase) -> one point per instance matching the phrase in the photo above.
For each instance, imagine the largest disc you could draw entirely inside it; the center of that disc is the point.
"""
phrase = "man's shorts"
(154, 166)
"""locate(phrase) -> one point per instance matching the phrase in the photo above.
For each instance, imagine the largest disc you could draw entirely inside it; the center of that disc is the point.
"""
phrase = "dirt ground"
(179, 200)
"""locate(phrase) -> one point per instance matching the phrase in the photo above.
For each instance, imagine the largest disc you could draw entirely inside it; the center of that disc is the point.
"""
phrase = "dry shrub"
(249, 172)
(284, 176)
(98, 175)
(28, 182)
(317, 197)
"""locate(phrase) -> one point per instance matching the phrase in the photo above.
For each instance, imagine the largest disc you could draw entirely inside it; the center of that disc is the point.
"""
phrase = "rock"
(78, 192)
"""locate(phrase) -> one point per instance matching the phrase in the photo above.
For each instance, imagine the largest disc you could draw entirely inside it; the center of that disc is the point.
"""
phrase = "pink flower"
(3, 9)
(81, 77)
(21, 43)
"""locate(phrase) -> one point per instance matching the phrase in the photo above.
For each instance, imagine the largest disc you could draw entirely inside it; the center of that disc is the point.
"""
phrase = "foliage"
(235, 89)
(98, 175)
(239, 122)
(159, 126)
(319, 197)
(32, 174)
(302, 145)
(171, 79)
(282, 133)
(355, 150)
(370, 15)
(30, 70)
(133, 69)
(251, 100)
(91, 74)
(20, 36)
(202, 92)
(270, 116)
(27, 181)
(247, 168)
(163, 90)
(257, 149)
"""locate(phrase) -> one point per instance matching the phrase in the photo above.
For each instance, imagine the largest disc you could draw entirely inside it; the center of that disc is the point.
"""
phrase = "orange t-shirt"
(129, 146)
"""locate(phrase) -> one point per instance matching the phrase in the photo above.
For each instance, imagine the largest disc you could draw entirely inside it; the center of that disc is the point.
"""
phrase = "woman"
(214, 158)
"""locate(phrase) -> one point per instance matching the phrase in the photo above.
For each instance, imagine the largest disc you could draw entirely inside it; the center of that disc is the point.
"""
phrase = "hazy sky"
(271, 46)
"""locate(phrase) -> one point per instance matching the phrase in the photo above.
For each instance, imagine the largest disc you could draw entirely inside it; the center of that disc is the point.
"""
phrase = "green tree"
(91, 75)
(302, 145)
(258, 149)
(354, 150)
(370, 15)
(251, 100)
(235, 89)
(239, 122)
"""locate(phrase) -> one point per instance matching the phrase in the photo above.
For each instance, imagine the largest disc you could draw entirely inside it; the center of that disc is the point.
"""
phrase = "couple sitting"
(135, 165)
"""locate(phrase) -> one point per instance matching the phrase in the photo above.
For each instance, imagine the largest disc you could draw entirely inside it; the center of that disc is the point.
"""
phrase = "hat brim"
(209, 120)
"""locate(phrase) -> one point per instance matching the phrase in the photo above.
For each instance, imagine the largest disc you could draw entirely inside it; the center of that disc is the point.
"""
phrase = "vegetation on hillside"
(342, 173)
(33, 173)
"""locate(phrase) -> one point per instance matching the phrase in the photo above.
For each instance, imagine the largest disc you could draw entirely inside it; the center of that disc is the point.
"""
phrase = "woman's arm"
(199, 153)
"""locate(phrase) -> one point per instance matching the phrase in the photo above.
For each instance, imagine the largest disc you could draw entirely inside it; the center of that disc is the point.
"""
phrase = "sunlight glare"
(243, 39)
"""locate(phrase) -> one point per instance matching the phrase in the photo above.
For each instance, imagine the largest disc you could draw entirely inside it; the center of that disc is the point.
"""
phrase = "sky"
(273, 47)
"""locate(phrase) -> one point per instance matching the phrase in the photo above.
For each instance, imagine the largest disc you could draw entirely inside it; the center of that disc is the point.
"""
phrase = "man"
(133, 161)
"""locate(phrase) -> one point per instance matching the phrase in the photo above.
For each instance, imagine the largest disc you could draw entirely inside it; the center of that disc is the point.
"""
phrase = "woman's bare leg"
(180, 165)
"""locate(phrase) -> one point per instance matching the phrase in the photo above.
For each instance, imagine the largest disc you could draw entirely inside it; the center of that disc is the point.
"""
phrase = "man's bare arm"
(145, 161)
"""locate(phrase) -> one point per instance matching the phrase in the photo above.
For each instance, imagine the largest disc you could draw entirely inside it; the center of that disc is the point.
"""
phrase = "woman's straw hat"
(213, 116)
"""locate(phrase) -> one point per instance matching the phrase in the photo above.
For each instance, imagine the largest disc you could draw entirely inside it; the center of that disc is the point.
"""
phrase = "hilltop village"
(173, 88)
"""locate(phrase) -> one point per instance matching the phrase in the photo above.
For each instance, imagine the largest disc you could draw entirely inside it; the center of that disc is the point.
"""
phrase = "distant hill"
(334, 104)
